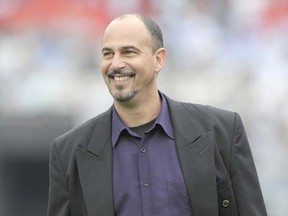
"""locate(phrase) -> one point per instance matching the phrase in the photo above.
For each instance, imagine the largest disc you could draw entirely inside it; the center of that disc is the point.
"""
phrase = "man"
(149, 155)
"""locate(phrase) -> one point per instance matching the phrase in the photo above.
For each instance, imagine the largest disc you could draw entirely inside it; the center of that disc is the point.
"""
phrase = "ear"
(160, 58)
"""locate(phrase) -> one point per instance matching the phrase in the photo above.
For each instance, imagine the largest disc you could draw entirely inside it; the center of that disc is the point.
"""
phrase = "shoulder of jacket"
(202, 111)
(80, 134)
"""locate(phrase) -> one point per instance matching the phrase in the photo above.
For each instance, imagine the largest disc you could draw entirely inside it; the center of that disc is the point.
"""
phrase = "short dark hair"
(153, 29)
(155, 32)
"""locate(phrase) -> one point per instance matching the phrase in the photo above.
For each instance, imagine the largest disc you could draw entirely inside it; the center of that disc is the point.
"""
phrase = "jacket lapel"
(95, 169)
(196, 153)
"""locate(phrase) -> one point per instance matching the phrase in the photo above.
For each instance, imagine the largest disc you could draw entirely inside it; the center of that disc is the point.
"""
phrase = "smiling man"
(132, 59)
(148, 154)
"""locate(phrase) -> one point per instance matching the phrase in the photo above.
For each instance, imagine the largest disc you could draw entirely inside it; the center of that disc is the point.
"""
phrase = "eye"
(130, 52)
(107, 54)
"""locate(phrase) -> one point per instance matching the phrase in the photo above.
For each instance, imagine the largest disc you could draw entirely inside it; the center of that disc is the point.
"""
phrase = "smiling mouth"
(122, 77)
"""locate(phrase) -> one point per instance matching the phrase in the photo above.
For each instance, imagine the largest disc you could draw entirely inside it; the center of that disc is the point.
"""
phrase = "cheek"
(104, 68)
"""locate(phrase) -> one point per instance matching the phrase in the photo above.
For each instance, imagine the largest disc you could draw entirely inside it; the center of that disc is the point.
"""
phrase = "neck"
(135, 113)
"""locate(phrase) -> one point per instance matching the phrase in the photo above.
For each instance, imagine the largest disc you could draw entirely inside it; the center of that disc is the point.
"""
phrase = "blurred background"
(226, 53)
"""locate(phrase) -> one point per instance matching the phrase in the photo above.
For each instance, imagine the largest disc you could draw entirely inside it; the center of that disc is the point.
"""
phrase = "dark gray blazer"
(214, 153)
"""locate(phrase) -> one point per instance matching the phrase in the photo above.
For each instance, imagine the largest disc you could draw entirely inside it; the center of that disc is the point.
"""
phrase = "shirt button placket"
(144, 175)
(143, 166)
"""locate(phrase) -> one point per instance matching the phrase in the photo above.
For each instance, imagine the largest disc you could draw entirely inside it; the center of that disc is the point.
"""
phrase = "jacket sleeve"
(58, 204)
(243, 174)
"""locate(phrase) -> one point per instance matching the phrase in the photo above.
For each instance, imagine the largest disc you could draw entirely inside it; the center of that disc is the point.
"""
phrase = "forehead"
(126, 31)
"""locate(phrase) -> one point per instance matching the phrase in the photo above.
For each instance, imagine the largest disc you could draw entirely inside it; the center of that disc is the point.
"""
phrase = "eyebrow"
(122, 48)
(106, 49)
(130, 47)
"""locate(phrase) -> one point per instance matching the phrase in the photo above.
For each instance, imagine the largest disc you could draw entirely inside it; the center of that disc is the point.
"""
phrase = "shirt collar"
(117, 126)
(163, 120)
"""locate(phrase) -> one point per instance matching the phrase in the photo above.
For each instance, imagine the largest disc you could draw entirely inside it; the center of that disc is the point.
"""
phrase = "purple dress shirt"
(147, 176)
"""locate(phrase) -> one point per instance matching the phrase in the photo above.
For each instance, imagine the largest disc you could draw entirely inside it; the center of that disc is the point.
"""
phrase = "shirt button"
(146, 184)
(225, 203)
(143, 150)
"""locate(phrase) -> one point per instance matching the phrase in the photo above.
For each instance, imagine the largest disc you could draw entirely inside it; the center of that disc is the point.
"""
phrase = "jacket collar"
(102, 133)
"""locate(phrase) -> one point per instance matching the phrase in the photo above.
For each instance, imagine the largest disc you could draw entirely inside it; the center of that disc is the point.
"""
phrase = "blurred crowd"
(227, 53)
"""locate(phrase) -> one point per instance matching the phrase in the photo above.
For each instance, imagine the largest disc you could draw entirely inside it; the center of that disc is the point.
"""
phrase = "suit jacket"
(214, 154)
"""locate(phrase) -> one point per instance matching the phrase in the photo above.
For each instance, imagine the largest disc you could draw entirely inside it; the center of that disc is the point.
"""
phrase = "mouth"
(121, 77)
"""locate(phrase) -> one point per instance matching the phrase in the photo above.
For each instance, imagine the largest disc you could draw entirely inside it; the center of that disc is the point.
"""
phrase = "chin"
(123, 96)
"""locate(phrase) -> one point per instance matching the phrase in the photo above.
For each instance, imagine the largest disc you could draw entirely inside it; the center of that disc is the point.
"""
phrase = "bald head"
(152, 28)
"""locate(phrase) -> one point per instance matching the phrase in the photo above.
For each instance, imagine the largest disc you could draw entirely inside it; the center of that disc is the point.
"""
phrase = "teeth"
(121, 78)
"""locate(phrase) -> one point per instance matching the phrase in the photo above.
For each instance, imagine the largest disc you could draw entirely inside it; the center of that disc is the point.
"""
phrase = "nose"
(117, 62)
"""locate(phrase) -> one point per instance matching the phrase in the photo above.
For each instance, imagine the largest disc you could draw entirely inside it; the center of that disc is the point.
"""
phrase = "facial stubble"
(122, 95)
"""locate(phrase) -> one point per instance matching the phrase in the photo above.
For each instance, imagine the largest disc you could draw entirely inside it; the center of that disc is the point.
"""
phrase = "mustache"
(120, 72)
